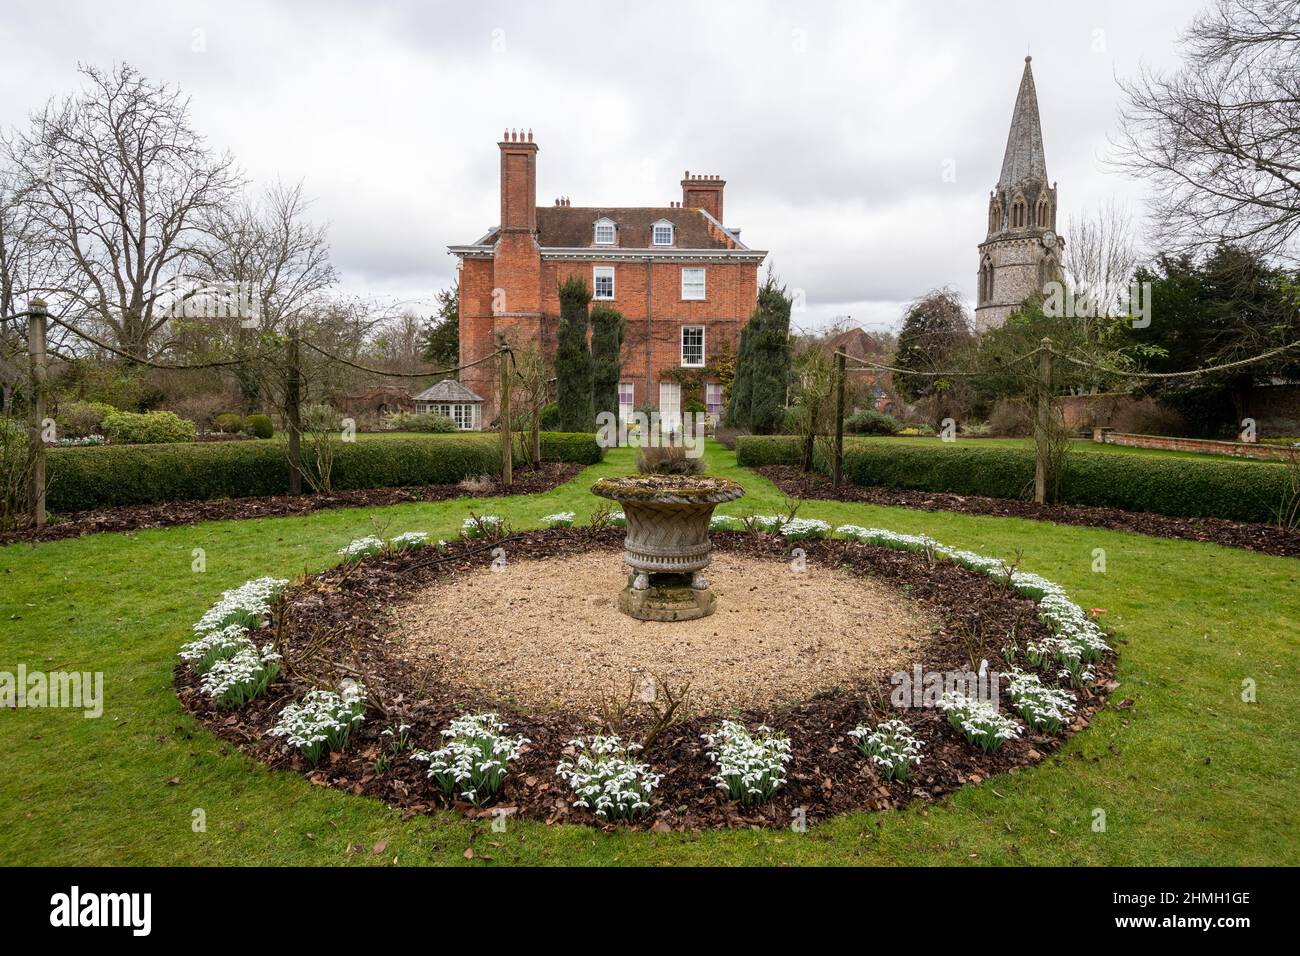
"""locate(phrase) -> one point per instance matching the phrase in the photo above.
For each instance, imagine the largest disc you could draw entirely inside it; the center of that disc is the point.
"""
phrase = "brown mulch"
(333, 626)
(1263, 538)
(172, 513)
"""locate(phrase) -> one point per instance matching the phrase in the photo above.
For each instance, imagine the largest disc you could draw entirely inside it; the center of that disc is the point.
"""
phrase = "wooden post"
(293, 411)
(1042, 421)
(36, 346)
(837, 472)
(507, 464)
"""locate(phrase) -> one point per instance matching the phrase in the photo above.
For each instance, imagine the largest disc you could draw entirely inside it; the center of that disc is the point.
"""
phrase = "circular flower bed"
(1010, 668)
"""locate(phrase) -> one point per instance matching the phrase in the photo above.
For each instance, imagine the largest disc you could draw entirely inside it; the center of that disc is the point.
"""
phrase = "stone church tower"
(1022, 251)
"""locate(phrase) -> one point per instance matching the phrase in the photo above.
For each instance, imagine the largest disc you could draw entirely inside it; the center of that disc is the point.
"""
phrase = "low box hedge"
(576, 447)
(754, 451)
(1179, 487)
(105, 476)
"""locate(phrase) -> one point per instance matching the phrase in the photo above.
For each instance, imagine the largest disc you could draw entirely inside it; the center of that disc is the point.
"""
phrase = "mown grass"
(1189, 774)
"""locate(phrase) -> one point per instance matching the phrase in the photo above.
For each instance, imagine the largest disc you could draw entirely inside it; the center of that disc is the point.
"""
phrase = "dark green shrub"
(228, 423)
(1180, 487)
(607, 328)
(128, 475)
(147, 428)
(259, 426)
(580, 447)
(868, 421)
(753, 451)
(82, 479)
(573, 371)
(550, 417)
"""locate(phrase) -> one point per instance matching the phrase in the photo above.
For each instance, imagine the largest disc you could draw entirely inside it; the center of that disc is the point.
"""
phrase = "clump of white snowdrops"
(234, 670)
(1044, 708)
(750, 766)
(805, 529)
(607, 780)
(763, 524)
(891, 746)
(202, 652)
(724, 523)
(409, 541)
(481, 526)
(477, 756)
(234, 681)
(323, 721)
(561, 519)
(978, 720)
(362, 548)
(1077, 640)
(248, 605)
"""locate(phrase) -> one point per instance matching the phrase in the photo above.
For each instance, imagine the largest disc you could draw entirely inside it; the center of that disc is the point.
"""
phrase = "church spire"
(1024, 160)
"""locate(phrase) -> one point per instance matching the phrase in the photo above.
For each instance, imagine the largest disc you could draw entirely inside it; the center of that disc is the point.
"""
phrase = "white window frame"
(682, 345)
(601, 272)
(703, 287)
(654, 233)
(613, 232)
(670, 406)
(626, 400)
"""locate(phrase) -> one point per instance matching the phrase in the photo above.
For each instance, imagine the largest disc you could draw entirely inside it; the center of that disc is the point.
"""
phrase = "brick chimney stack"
(704, 192)
(518, 182)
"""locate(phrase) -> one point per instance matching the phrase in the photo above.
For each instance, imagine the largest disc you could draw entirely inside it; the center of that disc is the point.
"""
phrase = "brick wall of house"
(515, 293)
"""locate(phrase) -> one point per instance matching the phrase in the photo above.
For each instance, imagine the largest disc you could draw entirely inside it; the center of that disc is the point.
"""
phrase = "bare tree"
(1102, 254)
(122, 182)
(1219, 139)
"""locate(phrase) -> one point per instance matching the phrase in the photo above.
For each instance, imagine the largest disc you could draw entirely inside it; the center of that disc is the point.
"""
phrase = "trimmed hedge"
(754, 451)
(105, 476)
(1179, 487)
(576, 447)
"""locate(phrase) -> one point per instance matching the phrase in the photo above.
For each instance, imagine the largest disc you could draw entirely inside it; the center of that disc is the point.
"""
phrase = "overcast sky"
(833, 124)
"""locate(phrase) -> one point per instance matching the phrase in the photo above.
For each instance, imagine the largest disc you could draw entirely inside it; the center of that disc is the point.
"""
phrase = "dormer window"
(662, 233)
(605, 232)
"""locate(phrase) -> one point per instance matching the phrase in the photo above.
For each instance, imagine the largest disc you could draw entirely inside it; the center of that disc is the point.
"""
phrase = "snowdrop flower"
(750, 768)
(891, 746)
(249, 605)
(978, 720)
(606, 781)
(476, 757)
(323, 720)
(362, 548)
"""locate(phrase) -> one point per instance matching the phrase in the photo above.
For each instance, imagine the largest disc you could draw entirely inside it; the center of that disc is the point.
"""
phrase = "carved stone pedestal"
(667, 543)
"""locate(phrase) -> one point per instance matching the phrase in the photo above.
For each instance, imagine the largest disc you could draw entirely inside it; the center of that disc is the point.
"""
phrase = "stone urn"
(667, 545)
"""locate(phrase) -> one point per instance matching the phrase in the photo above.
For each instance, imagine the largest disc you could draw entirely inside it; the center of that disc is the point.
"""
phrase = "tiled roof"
(448, 390)
(570, 227)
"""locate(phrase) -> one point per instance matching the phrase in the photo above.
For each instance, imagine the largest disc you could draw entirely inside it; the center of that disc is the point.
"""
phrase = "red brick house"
(683, 281)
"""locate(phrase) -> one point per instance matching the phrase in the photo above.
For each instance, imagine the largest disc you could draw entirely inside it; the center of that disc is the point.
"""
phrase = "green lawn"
(1188, 775)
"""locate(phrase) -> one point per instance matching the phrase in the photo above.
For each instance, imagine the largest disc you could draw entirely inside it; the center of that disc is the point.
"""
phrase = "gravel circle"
(547, 633)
